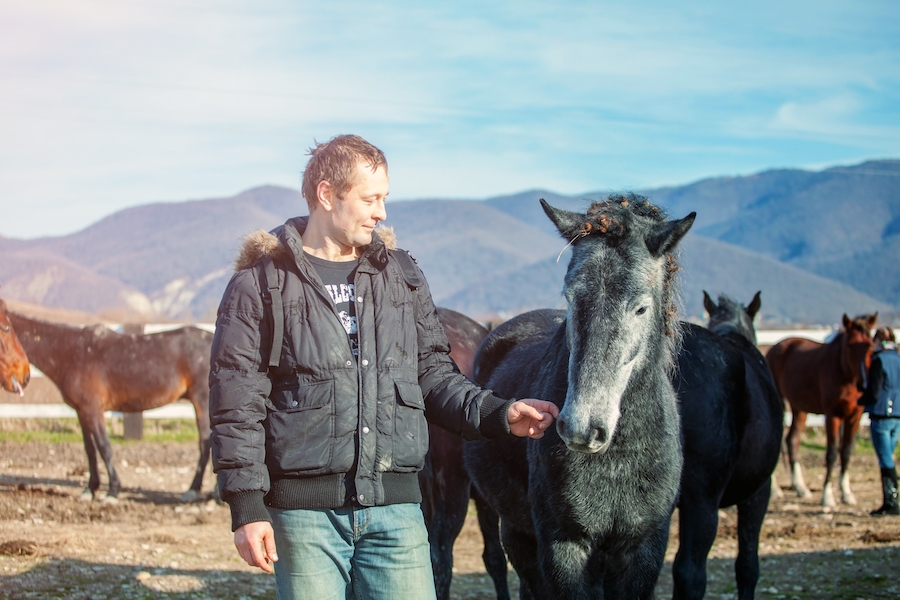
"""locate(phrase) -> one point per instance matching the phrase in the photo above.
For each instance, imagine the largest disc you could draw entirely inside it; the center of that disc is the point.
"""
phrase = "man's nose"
(380, 211)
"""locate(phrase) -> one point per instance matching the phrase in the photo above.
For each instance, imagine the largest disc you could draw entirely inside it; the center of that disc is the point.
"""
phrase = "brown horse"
(97, 370)
(446, 486)
(825, 379)
(14, 368)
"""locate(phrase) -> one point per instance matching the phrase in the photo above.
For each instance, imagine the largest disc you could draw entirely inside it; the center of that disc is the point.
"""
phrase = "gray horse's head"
(730, 316)
(621, 328)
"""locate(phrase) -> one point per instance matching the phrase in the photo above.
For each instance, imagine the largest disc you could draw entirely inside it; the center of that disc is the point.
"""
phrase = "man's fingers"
(269, 542)
(259, 558)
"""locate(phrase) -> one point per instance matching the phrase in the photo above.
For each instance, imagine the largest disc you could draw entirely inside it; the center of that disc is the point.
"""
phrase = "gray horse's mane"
(612, 218)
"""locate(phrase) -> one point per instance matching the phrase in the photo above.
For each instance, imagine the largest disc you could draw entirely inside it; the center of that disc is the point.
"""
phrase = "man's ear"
(325, 195)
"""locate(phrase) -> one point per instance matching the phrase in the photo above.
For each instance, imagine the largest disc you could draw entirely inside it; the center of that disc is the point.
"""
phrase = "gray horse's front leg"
(567, 572)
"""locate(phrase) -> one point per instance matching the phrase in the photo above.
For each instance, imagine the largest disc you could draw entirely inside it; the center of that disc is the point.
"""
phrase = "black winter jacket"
(326, 429)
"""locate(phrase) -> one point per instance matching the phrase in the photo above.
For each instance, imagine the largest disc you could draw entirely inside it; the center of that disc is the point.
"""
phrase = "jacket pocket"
(300, 431)
(410, 435)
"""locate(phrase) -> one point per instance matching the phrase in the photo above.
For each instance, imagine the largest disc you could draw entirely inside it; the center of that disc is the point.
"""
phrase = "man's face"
(356, 214)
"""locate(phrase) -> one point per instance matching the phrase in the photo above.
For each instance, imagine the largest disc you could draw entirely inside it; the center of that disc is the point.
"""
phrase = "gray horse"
(585, 510)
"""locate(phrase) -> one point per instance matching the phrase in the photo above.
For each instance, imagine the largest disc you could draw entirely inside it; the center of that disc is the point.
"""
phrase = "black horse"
(732, 419)
(585, 510)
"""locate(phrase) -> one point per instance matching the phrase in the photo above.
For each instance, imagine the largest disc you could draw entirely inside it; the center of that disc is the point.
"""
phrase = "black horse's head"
(621, 328)
(730, 316)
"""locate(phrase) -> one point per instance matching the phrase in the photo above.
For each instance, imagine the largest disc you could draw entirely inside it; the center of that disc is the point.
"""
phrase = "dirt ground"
(149, 545)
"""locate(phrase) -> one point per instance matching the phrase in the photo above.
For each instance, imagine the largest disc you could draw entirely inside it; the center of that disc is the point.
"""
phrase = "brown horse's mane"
(863, 324)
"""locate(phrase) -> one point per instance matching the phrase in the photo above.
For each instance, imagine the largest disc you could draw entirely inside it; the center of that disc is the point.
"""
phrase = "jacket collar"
(374, 256)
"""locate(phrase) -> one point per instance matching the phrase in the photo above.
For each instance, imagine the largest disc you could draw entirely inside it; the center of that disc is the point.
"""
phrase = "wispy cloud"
(109, 103)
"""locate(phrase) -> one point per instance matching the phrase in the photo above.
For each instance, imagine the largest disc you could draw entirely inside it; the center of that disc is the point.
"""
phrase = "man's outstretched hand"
(531, 417)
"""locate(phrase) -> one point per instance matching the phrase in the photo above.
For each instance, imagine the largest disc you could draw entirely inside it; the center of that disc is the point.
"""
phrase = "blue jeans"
(352, 553)
(885, 433)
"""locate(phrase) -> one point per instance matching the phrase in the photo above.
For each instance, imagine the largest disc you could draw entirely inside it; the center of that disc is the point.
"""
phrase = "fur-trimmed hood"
(260, 243)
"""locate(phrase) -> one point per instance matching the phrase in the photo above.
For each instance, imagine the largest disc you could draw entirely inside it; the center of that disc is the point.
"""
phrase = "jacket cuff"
(494, 413)
(247, 507)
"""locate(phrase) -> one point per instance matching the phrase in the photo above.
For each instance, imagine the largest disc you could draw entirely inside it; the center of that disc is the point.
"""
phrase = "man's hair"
(335, 161)
(883, 334)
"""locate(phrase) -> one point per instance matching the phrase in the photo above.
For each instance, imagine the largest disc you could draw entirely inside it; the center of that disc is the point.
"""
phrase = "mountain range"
(817, 244)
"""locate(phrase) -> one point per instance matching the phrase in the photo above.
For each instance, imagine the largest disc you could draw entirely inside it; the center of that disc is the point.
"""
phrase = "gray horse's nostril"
(601, 435)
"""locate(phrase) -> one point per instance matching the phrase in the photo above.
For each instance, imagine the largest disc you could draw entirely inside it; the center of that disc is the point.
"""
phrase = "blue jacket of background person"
(882, 395)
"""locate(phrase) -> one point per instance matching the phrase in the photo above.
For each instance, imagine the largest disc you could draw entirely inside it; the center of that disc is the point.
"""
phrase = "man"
(882, 401)
(318, 438)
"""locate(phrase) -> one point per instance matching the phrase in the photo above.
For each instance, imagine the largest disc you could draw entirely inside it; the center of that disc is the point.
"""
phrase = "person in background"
(882, 401)
(327, 358)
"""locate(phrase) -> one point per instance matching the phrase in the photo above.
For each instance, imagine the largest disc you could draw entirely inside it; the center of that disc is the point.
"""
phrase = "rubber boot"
(891, 505)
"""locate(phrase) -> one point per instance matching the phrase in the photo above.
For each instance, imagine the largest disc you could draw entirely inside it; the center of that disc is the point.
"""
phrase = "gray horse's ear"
(665, 236)
(754, 306)
(708, 303)
(567, 223)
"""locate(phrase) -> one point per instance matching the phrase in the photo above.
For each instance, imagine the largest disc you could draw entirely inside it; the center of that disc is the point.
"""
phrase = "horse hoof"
(851, 500)
(110, 500)
(189, 496)
(86, 496)
(805, 494)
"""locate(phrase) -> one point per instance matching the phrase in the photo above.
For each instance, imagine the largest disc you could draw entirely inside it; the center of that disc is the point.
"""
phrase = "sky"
(106, 104)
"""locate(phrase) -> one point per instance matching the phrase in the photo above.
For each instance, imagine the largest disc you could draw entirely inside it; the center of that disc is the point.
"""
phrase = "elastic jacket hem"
(247, 507)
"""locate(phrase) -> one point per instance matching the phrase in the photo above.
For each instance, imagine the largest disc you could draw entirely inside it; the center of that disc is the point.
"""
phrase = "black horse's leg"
(88, 435)
(522, 549)
(792, 441)
(200, 400)
(494, 556)
(105, 449)
(848, 441)
(832, 431)
(751, 514)
(698, 523)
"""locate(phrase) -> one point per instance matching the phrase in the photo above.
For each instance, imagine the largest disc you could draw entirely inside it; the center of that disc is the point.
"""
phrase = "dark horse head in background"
(15, 372)
(825, 379)
(585, 510)
(730, 316)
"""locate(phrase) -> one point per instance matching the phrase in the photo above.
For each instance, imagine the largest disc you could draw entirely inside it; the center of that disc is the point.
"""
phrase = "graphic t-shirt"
(338, 280)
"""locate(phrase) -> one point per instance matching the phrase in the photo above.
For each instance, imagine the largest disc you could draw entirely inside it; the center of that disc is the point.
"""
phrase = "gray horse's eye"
(641, 310)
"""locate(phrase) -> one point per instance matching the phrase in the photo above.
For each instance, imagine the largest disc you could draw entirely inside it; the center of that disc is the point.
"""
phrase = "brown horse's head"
(858, 344)
(14, 370)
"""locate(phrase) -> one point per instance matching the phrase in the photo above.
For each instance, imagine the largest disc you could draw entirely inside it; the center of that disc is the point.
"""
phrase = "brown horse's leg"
(792, 441)
(494, 557)
(445, 502)
(848, 441)
(200, 399)
(88, 434)
(105, 449)
(832, 430)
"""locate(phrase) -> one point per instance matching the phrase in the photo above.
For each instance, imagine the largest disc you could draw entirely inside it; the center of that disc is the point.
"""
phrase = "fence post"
(133, 421)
